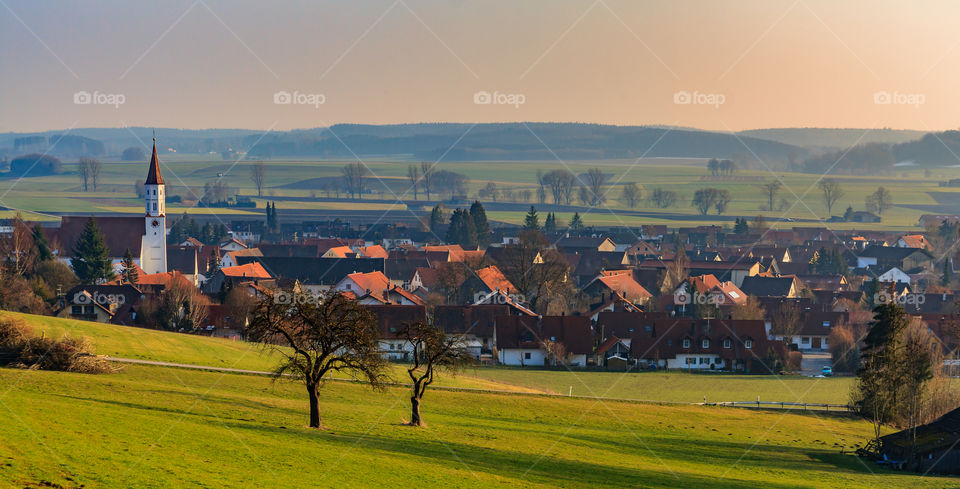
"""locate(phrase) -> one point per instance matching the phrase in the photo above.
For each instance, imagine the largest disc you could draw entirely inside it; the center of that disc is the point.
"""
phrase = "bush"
(20, 348)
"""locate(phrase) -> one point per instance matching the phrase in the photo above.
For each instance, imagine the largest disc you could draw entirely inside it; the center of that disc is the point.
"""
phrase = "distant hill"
(514, 141)
(817, 137)
(931, 150)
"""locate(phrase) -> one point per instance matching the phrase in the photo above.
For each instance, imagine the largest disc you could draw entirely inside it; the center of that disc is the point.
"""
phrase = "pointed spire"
(153, 175)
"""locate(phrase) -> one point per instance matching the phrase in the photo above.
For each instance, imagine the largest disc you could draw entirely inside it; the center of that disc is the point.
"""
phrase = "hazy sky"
(744, 64)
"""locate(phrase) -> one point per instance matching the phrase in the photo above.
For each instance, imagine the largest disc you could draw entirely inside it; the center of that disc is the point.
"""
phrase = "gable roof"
(495, 279)
(316, 271)
(374, 282)
(250, 270)
(759, 285)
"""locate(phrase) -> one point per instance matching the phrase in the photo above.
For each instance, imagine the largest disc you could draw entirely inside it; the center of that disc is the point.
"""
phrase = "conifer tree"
(481, 226)
(551, 223)
(576, 223)
(436, 218)
(91, 258)
(130, 274)
(44, 252)
(531, 222)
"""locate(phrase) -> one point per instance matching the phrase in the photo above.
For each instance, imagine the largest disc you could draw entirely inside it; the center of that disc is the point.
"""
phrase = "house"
(725, 271)
(614, 353)
(390, 322)
(709, 344)
(619, 282)
(894, 275)
(786, 286)
(913, 241)
(317, 274)
(910, 260)
(231, 258)
(863, 216)
(232, 244)
(231, 276)
(373, 283)
(99, 303)
(475, 324)
(539, 341)
(935, 450)
(815, 328)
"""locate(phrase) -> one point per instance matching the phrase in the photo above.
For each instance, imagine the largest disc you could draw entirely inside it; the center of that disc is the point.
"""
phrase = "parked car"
(827, 371)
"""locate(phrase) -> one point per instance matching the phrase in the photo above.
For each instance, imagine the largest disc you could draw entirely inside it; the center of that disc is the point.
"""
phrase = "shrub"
(20, 348)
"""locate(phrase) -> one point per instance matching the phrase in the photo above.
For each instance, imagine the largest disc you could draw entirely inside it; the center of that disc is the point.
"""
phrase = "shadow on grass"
(519, 465)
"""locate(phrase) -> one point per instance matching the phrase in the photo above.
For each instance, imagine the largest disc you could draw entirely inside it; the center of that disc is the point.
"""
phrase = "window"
(77, 310)
(718, 360)
(748, 343)
(826, 324)
(647, 328)
(726, 342)
(154, 206)
(526, 355)
(686, 343)
(691, 361)
(806, 340)
(705, 343)
(704, 360)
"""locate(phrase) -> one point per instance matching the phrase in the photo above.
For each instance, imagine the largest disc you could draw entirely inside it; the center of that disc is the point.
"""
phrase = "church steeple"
(153, 175)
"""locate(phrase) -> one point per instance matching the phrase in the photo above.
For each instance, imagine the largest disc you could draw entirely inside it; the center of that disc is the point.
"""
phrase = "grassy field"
(150, 426)
(909, 186)
(126, 342)
(160, 427)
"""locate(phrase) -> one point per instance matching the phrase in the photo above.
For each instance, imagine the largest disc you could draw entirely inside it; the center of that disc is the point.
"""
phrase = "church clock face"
(155, 223)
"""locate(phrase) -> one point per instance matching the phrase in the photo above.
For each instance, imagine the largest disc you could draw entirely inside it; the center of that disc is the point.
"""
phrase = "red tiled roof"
(495, 279)
(250, 270)
(375, 251)
(375, 282)
(625, 285)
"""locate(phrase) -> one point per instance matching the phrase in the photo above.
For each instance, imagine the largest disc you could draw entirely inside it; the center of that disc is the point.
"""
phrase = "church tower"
(153, 249)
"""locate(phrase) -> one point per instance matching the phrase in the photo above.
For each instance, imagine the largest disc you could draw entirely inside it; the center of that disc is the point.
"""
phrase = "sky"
(278, 65)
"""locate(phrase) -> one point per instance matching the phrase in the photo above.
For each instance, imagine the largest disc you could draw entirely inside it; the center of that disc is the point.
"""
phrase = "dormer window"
(705, 343)
(726, 342)
(748, 343)
(686, 342)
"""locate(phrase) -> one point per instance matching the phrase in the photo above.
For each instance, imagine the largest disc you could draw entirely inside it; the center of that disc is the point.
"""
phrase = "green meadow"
(158, 427)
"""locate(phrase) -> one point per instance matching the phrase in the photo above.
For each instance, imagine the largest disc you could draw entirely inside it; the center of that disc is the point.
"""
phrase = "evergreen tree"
(44, 252)
(481, 226)
(531, 222)
(741, 226)
(551, 223)
(848, 214)
(881, 372)
(130, 274)
(576, 223)
(462, 230)
(91, 258)
(436, 218)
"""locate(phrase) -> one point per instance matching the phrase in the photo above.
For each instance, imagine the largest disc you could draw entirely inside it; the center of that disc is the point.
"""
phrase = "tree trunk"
(314, 406)
(415, 411)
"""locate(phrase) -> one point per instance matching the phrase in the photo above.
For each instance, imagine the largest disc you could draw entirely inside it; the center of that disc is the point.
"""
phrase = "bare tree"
(770, 191)
(433, 350)
(83, 171)
(490, 191)
(556, 352)
(595, 180)
(561, 184)
(316, 337)
(413, 173)
(831, 193)
(19, 248)
(353, 174)
(631, 195)
(426, 175)
(258, 175)
(663, 199)
(785, 321)
(879, 201)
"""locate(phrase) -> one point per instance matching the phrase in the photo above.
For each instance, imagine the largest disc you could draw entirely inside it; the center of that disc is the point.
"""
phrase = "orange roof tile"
(250, 270)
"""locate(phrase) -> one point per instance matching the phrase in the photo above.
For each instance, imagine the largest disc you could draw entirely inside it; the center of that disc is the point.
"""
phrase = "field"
(150, 426)
(299, 185)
